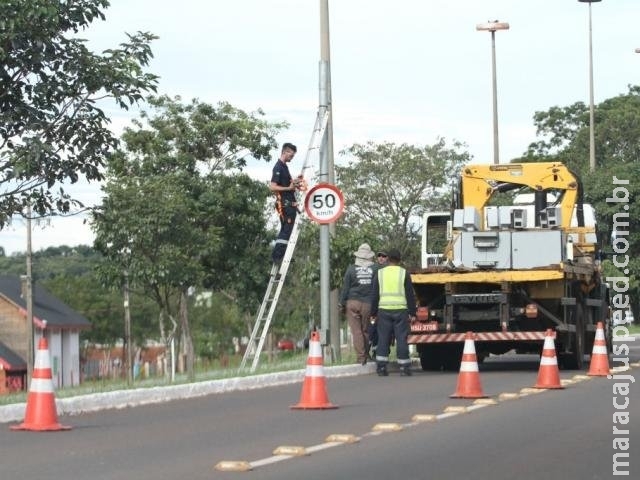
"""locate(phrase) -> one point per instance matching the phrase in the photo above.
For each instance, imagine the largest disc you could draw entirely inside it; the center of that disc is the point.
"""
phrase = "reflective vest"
(392, 294)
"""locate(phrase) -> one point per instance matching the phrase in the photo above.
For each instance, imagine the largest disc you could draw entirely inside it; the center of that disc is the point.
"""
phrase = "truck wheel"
(608, 334)
(430, 357)
(452, 357)
(575, 359)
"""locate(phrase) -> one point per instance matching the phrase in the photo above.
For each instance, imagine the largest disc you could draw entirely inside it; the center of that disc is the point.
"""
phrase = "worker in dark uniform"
(372, 329)
(393, 305)
(284, 187)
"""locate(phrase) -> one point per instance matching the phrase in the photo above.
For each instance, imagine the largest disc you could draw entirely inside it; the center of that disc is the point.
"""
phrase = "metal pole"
(29, 300)
(325, 332)
(329, 321)
(127, 329)
(592, 136)
(496, 150)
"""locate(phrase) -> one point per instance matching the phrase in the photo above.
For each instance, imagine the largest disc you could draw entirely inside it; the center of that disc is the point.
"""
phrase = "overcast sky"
(402, 71)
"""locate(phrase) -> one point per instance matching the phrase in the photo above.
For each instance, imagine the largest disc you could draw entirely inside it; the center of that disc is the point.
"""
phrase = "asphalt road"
(552, 434)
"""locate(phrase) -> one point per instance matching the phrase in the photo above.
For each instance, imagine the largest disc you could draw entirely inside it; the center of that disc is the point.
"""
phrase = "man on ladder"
(286, 204)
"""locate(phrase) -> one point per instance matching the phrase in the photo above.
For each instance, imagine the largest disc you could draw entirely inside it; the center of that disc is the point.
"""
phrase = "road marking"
(530, 390)
(335, 440)
(387, 427)
(485, 401)
(455, 409)
(508, 396)
(342, 438)
(233, 466)
(290, 450)
(424, 417)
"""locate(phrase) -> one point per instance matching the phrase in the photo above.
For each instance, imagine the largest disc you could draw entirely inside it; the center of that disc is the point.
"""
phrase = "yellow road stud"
(233, 466)
(293, 451)
(342, 438)
(387, 427)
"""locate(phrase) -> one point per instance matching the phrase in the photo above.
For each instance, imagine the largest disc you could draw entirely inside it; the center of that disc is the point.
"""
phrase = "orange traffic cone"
(41, 412)
(599, 364)
(314, 389)
(469, 378)
(548, 374)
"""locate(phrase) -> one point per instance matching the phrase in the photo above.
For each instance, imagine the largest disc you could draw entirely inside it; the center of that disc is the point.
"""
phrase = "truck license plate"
(424, 327)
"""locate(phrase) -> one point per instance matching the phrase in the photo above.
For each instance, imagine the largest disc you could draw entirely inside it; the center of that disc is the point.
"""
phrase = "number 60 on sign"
(324, 203)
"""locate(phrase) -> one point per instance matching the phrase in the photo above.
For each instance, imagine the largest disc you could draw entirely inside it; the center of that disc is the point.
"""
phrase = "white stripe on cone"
(600, 334)
(469, 366)
(41, 385)
(469, 347)
(548, 361)
(314, 371)
(548, 344)
(315, 350)
(599, 349)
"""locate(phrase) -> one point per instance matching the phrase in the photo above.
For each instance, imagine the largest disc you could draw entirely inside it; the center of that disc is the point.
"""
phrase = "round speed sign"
(324, 203)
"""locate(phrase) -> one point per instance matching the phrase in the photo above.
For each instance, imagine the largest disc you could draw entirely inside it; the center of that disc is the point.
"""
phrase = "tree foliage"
(614, 186)
(388, 187)
(69, 273)
(52, 130)
(174, 217)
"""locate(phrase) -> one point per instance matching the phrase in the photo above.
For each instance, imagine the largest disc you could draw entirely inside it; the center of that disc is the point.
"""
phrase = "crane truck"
(515, 256)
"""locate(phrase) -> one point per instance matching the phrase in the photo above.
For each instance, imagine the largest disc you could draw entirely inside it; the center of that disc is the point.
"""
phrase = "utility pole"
(28, 293)
(592, 135)
(493, 27)
(127, 329)
(329, 322)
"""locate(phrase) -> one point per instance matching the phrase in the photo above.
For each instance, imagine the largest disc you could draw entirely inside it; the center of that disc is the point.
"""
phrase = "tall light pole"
(127, 329)
(28, 291)
(493, 27)
(329, 321)
(592, 135)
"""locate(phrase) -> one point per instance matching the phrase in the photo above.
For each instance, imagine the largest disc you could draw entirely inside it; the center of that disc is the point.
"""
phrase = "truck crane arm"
(480, 182)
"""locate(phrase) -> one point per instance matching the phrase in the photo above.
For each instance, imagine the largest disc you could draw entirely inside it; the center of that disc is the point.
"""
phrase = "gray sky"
(403, 71)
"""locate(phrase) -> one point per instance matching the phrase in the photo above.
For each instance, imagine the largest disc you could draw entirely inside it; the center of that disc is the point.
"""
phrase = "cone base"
(468, 395)
(313, 406)
(599, 367)
(40, 428)
(550, 387)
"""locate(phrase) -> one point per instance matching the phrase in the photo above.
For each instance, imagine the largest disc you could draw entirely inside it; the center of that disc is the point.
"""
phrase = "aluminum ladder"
(278, 272)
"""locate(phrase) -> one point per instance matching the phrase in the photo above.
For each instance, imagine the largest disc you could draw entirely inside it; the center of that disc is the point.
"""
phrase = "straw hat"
(364, 252)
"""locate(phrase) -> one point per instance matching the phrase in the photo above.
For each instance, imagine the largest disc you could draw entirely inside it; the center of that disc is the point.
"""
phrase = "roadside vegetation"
(184, 227)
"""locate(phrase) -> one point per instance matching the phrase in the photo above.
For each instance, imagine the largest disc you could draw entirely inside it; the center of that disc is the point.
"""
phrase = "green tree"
(564, 136)
(51, 128)
(238, 268)
(174, 210)
(388, 187)
(70, 274)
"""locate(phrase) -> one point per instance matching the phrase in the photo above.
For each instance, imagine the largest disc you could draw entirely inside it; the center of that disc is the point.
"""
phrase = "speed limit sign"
(324, 203)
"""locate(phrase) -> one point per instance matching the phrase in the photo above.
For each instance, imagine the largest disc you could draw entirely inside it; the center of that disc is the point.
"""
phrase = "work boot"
(405, 371)
(381, 370)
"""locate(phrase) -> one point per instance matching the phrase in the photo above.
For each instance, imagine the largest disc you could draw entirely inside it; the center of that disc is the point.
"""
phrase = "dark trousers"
(393, 322)
(372, 333)
(287, 219)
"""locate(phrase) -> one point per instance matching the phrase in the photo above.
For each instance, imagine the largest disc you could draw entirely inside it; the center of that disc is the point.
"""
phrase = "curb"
(147, 396)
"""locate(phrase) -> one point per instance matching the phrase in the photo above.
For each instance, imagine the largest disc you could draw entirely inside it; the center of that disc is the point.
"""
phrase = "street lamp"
(493, 27)
(592, 136)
